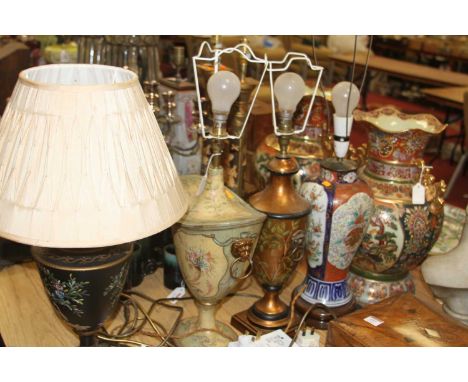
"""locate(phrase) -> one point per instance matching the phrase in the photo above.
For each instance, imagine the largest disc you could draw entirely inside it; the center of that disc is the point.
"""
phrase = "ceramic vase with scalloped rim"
(400, 234)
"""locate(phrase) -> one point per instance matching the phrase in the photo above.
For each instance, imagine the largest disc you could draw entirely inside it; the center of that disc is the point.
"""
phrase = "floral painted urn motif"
(84, 285)
(214, 244)
(342, 206)
(401, 233)
(308, 148)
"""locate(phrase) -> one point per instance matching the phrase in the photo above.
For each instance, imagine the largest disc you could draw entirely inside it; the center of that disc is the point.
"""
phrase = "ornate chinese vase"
(342, 206)
(400, 233)
(84, 285)
(214, 244)
(281, 243)
(308, 148)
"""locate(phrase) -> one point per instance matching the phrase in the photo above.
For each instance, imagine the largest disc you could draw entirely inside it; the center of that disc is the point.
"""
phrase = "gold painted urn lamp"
(84, 172)
(216, 238)
(281, 243)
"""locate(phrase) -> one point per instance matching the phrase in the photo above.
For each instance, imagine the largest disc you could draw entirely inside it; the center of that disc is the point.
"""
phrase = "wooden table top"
(407, 70)
(28, 319)
(450, 96)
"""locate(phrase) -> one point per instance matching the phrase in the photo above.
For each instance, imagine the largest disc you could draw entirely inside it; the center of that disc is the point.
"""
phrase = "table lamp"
(281, 243)
(84, 172)
(216, 238)
(342, 207)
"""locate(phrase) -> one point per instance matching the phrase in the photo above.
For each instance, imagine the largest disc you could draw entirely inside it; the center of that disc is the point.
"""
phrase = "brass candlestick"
(152, 95)
(178, 59)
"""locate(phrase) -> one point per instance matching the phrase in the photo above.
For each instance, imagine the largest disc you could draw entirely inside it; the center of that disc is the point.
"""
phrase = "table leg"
(456, 174)
(332, 70)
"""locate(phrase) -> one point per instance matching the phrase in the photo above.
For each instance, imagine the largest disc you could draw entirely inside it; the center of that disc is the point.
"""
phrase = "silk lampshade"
(82, 160)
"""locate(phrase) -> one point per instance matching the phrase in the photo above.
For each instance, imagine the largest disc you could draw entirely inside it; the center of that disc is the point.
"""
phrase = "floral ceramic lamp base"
(367, 290)
(84, 285)
(203, 330)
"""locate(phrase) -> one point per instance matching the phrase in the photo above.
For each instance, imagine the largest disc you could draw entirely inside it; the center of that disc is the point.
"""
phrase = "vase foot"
(88, 340)
(189, 334)
(370, 291)
(269, 321)
(319, 317)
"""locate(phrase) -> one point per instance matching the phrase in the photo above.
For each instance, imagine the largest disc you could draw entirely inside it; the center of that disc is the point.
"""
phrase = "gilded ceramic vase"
(84, 285)
(308, 148)
(214, 245)
(281, 243)
(342, 206)
(400, 233)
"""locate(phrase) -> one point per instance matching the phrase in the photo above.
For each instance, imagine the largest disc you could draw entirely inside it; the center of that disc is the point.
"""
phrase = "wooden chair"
(459, 170)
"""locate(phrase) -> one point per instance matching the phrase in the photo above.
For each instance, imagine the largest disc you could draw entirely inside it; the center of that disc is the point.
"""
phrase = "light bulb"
(344, 101)
(223, 89)
(340, 94)
(289, 89)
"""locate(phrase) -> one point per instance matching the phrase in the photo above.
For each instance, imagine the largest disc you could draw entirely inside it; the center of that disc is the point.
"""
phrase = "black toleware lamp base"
(84, 285)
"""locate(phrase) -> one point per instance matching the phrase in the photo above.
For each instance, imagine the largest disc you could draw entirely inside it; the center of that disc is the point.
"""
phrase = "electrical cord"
(327, 132)
(304, 317)
(294, 298)
(131, 325)
(367, 63)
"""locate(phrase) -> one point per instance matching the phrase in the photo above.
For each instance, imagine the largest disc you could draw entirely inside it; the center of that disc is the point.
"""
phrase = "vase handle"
(240, 250)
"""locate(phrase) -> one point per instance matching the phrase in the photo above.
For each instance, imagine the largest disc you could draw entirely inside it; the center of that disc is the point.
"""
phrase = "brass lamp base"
(242, 323)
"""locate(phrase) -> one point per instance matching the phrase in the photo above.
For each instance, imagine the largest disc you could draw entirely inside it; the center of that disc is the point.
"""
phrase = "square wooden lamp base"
(241, 322)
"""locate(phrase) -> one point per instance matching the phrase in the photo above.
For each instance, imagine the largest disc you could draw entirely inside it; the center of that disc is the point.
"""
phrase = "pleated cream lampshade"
(83, 162)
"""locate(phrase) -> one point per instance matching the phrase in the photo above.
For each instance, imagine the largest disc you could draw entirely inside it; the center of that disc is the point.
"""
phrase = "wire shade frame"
(83, 162)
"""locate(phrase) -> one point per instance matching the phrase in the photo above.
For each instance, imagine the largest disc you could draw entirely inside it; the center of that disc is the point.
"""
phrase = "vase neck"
(399, 148)
(336, 170)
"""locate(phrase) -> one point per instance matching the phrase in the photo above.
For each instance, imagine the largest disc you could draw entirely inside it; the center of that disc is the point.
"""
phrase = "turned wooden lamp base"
(319, 317)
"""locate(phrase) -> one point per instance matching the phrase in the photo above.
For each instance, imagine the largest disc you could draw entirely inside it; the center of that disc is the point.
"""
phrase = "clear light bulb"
(340, 94)
(289, 89)
(223, 89)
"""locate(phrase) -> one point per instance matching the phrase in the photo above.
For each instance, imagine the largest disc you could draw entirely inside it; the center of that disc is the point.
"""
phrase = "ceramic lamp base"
(370, 291)
(192, 335)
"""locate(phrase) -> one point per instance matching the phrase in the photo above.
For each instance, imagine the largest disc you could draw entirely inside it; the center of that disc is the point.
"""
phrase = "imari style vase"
(308, 148)
(281, 243)
(341, 210)
(84, 285)
(214, 244)
(400, 233)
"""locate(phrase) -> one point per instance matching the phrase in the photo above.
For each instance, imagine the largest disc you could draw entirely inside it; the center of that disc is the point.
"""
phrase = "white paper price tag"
(419, 194)
(176, 293)
(373, 320)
